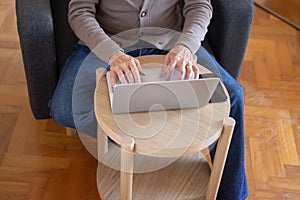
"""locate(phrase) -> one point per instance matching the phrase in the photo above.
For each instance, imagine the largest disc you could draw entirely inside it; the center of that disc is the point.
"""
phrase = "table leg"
(71, 131)
(206, 153)
(127, 156)
(220, 158)
(102, 141)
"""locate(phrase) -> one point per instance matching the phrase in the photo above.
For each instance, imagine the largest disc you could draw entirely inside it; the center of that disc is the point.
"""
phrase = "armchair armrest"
(35, 28)
(228, 32)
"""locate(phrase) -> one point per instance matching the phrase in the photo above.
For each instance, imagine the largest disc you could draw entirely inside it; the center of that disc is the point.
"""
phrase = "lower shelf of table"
(185, 179)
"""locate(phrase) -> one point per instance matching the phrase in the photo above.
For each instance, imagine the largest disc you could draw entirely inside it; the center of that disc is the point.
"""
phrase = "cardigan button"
(143, 13)
(140, 34)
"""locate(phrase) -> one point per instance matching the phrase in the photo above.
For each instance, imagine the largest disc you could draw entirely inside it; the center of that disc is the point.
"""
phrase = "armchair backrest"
(46, 42)
(65, 39)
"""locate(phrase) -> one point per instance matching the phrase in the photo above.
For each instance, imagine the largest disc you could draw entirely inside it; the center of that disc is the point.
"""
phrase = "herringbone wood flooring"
(271, 80)
(38, 160)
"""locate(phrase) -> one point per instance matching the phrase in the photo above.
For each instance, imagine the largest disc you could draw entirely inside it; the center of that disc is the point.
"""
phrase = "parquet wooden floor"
(38, 161)
(271, 80)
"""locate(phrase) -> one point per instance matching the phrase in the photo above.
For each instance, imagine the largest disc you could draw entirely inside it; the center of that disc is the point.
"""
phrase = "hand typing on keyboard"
(182, 59)
(124, 68)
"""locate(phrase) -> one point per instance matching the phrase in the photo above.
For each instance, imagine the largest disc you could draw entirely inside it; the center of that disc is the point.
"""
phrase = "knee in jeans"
(59, 114)
(236, 94)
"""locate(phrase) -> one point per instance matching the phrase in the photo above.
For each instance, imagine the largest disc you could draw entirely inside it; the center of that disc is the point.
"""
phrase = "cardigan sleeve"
(82, 19)
(197, 14)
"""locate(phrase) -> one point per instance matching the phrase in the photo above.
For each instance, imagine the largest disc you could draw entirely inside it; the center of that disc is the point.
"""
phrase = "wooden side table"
(179, 134)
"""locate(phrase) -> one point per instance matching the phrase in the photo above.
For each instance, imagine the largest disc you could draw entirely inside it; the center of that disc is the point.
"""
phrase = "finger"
(139, 67)
(170, 69)
(113, 79)
(136, 75)
(181, 70)
(163, 70)
(135, 71)
(124, 73)
(166, 62)
(169, 74)
(189, 71)
(121, 77)
(196, 72)
(129, 77)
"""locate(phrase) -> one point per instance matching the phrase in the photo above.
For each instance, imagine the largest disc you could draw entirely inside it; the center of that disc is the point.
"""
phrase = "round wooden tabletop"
(161, 133)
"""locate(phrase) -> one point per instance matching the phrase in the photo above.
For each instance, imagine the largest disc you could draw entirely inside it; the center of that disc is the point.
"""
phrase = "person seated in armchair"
(95, 21)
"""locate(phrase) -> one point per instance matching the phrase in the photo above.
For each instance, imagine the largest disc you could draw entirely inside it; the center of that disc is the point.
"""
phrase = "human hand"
(124, 68)
(182, 58)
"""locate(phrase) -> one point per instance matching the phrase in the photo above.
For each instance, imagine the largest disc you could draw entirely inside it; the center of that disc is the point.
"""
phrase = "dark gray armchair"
(47, 41)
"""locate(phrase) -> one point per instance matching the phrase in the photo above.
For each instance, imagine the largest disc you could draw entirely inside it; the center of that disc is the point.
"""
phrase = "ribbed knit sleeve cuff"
(106, 49)
(191, 43)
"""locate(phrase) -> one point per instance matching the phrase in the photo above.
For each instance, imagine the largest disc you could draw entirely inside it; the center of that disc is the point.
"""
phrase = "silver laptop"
(154, 93)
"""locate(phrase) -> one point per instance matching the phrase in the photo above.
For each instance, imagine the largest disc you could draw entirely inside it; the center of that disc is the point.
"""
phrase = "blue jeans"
(80, 91)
